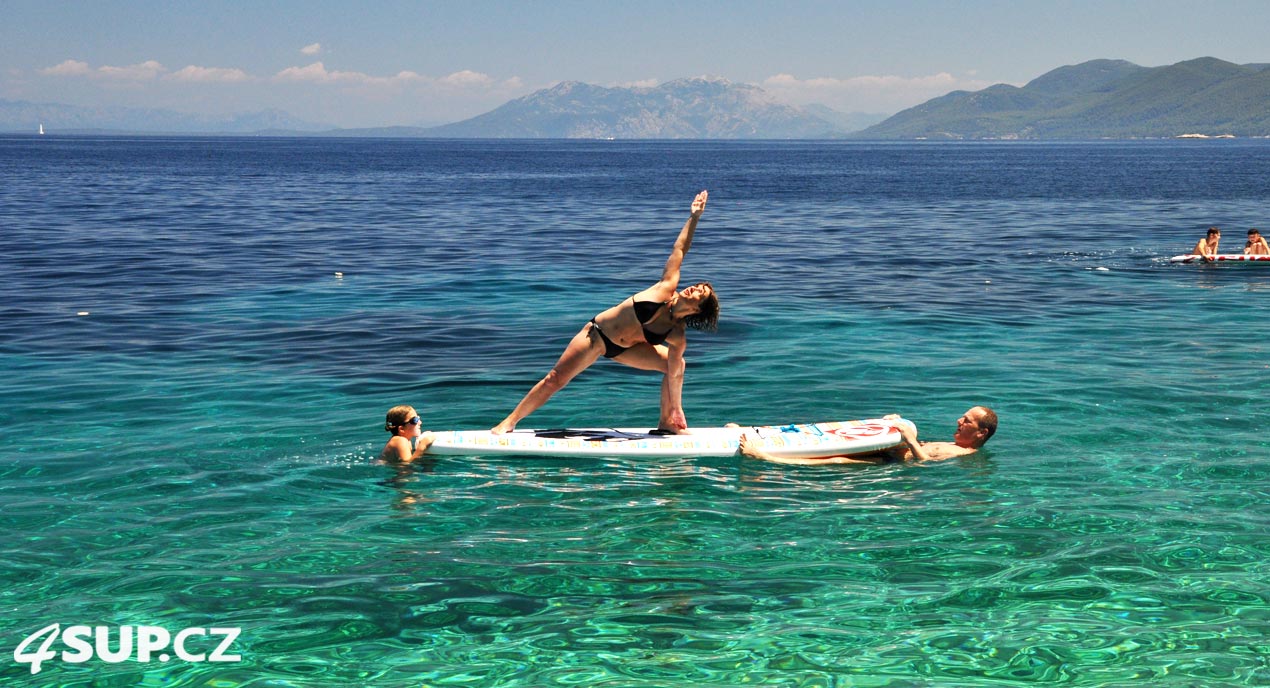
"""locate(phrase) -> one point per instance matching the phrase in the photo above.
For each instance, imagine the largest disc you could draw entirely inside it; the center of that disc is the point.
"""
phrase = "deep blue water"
(198, 447)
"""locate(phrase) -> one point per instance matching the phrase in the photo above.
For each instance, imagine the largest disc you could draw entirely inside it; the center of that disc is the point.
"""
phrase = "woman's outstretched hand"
(699, 203)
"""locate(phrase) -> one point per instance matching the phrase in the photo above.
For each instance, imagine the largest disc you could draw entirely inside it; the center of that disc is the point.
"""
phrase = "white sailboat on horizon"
(41, 128)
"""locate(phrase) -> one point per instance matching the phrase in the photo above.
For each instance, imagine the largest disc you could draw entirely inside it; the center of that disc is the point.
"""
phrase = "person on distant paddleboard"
(408, 441)
(1207, 247)
(1256, 245)
(645, 331)
(974, 428)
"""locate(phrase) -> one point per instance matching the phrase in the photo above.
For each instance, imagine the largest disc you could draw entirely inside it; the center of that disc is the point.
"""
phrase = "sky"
(421, 63)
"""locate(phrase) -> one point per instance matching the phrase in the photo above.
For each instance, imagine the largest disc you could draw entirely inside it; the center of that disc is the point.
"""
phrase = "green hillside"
(1099, 99)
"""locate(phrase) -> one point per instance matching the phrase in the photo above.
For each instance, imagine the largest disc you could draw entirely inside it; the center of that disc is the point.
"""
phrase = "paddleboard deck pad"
(1221, 258)
(799, 440)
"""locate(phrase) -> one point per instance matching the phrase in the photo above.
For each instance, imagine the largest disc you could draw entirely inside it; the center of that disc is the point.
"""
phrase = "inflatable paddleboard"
(800, 440)
(1221, 258)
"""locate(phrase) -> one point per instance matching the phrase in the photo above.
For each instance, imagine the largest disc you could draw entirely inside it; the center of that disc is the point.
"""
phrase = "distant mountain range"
(1093, 100)
(1099, 99)
(22, 116)
(681, 109)
(698, 108)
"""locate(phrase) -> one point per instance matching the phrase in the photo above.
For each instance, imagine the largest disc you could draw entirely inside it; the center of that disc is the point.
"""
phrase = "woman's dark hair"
(707, 317)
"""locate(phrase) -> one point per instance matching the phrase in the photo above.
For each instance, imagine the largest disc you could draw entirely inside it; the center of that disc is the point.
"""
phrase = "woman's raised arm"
(670, 276)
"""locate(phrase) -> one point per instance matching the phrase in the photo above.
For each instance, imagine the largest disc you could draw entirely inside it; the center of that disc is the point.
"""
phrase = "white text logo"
(85, 642)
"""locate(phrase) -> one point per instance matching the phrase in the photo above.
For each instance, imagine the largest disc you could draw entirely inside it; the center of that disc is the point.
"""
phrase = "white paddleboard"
(802, 440)
(1221, 258)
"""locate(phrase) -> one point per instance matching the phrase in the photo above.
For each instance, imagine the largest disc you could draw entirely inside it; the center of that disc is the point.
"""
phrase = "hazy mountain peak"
(1208, 63)
(1084, 77)
(566, 87)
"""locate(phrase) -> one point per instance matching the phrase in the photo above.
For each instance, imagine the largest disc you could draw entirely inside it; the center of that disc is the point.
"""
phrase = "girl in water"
(408, 441)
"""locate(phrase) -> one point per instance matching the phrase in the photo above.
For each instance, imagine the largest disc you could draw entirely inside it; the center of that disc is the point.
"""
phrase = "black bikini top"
(645, 311)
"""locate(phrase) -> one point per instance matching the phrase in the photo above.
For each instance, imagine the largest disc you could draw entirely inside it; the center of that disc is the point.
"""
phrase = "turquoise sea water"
(198, 450)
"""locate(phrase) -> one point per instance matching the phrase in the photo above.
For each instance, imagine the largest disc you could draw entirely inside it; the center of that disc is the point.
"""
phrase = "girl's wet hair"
(397, 417)
(707, 317)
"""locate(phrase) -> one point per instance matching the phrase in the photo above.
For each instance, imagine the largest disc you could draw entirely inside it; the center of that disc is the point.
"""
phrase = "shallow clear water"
(198, 449)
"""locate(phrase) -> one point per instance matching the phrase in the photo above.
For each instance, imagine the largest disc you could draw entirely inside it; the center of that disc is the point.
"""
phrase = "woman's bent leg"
(582, 351)
(657, 358)
(644, 357)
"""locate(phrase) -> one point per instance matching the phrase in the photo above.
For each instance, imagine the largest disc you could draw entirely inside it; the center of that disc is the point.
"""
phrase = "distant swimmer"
(1256, 245)
(408, 442)
(645, 331)
(1207, 247)
(974, 428)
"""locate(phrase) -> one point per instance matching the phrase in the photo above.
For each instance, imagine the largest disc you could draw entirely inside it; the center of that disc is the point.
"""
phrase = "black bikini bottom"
(611, 349)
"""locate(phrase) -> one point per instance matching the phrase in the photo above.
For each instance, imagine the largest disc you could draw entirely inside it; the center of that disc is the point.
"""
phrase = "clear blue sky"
(398, 62)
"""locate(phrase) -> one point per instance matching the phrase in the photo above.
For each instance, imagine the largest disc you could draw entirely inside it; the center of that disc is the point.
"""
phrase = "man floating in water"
(974, 428)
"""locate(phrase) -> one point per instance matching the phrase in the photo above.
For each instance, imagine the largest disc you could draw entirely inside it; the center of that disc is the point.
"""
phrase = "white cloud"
(642, 83)
(365, 99)
(868, 93)
(318, 73)
(476, 83)
(144, 71)
(209, 74)
(315, 72)
(67, 68)
(467, 78)
(311, 49)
